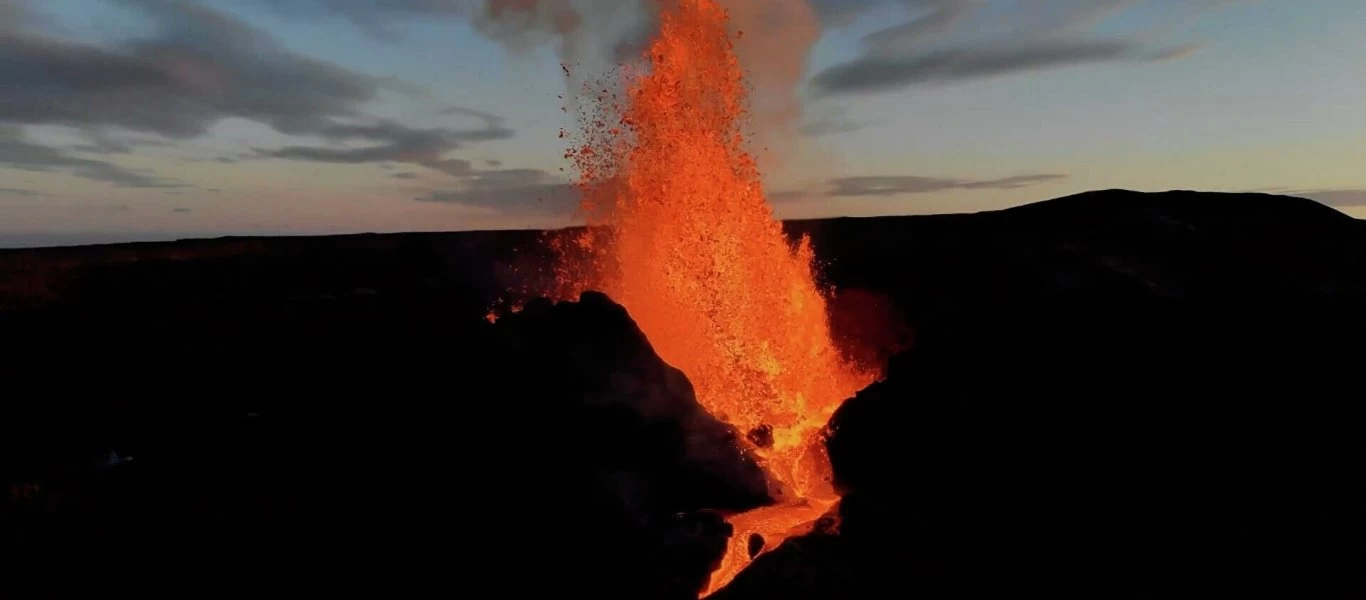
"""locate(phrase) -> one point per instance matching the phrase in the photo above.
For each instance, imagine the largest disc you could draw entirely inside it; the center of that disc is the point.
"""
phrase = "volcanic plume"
(681, 235)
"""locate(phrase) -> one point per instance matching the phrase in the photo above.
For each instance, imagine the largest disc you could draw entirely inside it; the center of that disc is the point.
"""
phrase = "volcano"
(1113, 394)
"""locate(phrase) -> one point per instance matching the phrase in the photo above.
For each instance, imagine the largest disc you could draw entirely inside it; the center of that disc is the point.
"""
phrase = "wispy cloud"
(947, 41)
(512, 192)
(831, 123)
(394, 142)
(17, 152)
(895, 185)
(1176, 53)
(877, 73)
(23, 193)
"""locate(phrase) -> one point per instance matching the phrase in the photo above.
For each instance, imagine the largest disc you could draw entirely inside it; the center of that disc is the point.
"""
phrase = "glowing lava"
(686, 242)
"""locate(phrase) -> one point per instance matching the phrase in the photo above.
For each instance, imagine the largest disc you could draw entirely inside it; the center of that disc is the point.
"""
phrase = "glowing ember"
(685, 241)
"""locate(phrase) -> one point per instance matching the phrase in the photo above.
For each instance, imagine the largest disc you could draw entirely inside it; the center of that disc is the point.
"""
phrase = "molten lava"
(684, 239)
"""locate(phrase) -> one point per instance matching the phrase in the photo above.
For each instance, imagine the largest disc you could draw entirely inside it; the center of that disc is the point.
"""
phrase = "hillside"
(1112, 394)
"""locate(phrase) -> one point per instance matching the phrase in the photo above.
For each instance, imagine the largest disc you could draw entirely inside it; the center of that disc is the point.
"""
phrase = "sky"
(157, 119)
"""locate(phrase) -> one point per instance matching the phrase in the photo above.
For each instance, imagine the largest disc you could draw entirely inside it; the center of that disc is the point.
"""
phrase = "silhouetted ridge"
(1184, 208)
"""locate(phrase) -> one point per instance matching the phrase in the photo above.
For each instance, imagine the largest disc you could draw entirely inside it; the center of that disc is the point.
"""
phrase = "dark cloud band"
(957, 40)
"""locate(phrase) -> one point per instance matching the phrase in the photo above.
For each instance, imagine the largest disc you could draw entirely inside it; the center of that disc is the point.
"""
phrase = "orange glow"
(684, 239)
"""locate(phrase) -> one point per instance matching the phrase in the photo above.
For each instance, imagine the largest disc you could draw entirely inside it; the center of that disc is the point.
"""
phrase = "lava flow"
(684, 239)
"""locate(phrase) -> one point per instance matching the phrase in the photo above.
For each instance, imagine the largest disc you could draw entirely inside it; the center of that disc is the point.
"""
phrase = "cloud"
(113, 208)
(512, 192)
(947, 41)
(789, 195)
(831, 123)
(102, 141)
(877, 73)
(1176, 53)
(910, 184)
(395, 142)
(16, 152)
(555, 200)
(181, 210)
(454, 167)
(202, 66)
(405, 176)
(1335, 198)
(491, 120)
(9, 191)
(942, 15)
(580, 29)
(16, 15)
(381, 19)
(591, 37)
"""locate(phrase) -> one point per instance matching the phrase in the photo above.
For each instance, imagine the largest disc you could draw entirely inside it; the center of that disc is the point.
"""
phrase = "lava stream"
(683, 238)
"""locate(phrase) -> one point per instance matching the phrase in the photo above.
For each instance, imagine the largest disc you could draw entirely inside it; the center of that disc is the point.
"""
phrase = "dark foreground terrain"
(1111, 395)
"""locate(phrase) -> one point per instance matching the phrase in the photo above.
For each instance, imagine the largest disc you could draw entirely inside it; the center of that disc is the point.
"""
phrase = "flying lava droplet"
(681, 235)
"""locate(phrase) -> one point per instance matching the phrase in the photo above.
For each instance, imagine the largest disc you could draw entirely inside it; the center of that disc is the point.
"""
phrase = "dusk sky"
(154, 119)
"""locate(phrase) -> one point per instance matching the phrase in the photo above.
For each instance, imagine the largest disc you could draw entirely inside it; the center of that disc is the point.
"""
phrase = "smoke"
(775, 38)
(521, 25)
(592, 37)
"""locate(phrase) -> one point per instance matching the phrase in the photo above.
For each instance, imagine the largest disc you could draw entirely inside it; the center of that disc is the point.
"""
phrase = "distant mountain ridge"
(1132, 199)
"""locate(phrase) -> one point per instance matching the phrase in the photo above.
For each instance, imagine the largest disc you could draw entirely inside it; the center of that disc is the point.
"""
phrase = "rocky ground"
(1111, 395)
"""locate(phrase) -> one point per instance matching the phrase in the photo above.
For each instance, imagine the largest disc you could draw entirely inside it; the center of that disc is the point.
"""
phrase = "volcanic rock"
(555, 443)
(1144, 396)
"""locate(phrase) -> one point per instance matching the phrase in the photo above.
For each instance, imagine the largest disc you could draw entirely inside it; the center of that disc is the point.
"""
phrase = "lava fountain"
(681, 235)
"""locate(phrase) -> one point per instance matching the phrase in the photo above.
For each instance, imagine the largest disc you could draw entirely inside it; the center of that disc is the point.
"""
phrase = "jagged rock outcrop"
(627, 467)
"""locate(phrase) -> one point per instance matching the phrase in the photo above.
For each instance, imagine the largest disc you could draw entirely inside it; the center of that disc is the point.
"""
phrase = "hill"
(1111, 394)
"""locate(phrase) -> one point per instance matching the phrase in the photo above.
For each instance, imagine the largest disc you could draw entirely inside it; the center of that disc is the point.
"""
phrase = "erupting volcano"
(681, 236)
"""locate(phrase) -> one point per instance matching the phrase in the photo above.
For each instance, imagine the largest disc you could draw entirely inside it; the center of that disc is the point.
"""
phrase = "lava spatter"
(682, 236)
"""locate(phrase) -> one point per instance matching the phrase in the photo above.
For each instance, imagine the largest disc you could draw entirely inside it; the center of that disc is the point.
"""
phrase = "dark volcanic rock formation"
(1111, 395)
(523, 457)
(620, 458)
